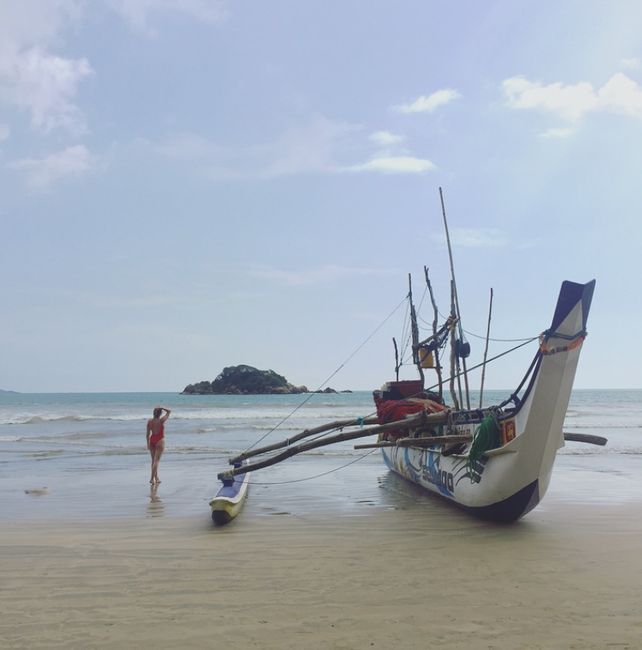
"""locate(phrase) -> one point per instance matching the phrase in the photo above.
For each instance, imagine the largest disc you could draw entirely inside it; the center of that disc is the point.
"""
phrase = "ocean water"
(78, 455)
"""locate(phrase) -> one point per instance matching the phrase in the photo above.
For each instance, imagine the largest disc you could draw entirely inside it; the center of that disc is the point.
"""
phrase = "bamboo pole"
(337, 424)
(456, 298)
(483, 376)
(421, 419)
(428, 441)
(434, 331)
(397, 364)
(585, 437)
(415, 332)
(454, 365)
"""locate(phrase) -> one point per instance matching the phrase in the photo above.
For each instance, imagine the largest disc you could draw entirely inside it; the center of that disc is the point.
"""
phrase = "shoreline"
(563, 577)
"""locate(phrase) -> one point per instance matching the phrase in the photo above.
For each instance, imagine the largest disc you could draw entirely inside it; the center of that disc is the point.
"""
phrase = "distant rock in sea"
(245, 380)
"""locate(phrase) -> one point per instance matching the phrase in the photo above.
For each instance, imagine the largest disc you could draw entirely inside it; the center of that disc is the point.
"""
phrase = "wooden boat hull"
(229, 500)
(509, 481)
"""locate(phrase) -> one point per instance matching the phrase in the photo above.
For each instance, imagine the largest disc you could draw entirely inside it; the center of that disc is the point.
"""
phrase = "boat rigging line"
(497, 356)
(480, 336)
(455, 299)
(311, 478)
(310, 395)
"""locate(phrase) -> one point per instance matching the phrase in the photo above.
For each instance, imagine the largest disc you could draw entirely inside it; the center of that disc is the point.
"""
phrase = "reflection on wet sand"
(155, 507)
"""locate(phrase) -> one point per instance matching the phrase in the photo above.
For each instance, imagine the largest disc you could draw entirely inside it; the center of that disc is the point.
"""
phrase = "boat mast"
(415, 332)
(397, 364)
(455, 300)
(483, 376)
(454, 360)
(434, 332)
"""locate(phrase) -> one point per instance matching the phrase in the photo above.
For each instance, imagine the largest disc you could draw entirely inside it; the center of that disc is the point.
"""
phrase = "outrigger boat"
(495, 462)
(230, 498)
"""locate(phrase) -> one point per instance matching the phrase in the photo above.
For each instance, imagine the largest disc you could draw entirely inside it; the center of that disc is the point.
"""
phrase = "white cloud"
(632, 63)
(44, 85)
(139, 13)
(315, 146)
(4, 132)
(428, 103)
(26, 23)
(43, 172)
(310, 147)
(385, 138)
(620, 94)
(394, 165)
(32, 78)
(569, 102)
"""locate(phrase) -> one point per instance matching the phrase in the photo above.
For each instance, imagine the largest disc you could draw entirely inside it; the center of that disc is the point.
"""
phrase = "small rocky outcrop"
(245, 380)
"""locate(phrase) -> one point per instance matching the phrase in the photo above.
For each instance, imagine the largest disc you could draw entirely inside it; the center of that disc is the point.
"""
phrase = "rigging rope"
(310, 478)
(479, 336)
(309, 397)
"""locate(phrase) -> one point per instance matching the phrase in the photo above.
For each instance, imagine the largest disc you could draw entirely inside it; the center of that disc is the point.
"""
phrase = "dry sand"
(564, 577)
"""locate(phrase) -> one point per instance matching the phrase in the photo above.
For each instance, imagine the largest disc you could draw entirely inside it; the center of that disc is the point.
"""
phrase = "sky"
(187, 185)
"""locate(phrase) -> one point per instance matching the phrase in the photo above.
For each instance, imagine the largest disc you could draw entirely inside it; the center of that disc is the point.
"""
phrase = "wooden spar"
(434, 331)
(415, 332)
(443, 440)
(397, 364)
(585, 437)
(454, 370)
(483, 376)
(428, 441)
(338, 424)
(456, 298)
(421, 419)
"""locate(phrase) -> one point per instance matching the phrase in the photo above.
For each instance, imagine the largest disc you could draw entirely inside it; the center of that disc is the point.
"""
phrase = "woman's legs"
(152, 451)
(157, 452)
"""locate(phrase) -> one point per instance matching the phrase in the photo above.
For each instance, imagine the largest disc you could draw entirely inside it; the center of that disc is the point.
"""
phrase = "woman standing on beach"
(156, 439)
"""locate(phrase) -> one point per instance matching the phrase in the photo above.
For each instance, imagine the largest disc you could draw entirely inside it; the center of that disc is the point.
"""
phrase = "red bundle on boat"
(391, 410)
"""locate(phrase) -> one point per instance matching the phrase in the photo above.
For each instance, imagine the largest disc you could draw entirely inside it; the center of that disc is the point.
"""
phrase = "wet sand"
(566, 576)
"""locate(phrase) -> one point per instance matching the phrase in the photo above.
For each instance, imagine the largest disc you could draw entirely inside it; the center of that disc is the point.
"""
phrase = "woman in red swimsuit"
(156, 439)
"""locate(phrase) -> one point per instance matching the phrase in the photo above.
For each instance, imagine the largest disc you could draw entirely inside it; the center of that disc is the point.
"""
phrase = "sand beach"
(566, 576)
(328, 552)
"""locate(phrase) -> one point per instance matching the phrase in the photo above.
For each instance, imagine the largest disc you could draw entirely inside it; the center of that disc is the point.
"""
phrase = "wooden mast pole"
(415, 332)
(483, 376)
(454, 362)
(434, 331)
(454, 289)
(397, 365)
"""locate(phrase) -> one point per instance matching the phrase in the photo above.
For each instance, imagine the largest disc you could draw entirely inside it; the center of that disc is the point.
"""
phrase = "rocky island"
(245, 380)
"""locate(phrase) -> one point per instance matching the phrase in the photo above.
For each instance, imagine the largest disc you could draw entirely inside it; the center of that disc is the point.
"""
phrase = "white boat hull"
(509, 481)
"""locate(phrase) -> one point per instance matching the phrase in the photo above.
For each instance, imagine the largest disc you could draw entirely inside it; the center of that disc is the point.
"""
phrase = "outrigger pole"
(421, 419)
(455, 297)
(337, 424)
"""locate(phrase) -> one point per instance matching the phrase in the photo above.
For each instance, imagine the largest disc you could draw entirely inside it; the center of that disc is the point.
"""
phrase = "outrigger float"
(495, 462)
(230, 498)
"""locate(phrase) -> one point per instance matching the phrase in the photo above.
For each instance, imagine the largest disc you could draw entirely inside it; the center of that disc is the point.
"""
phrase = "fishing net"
(487, 436)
